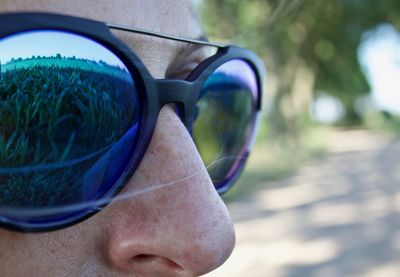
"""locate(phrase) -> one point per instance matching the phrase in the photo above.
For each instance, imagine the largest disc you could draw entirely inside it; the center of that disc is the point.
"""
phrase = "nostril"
(152, 259)
(144, 258)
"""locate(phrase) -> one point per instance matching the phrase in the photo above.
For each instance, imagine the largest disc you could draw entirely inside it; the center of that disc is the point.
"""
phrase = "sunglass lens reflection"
(68, 119)
(225, 115)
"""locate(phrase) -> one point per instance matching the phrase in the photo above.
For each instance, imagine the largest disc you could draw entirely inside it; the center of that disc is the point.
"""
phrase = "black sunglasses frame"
(155, 92)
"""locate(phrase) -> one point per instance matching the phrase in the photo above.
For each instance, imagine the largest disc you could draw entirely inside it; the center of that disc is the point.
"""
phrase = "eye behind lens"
(225, 118)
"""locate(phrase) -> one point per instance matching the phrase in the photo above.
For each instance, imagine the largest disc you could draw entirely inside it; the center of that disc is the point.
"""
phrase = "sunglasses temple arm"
(201, 41)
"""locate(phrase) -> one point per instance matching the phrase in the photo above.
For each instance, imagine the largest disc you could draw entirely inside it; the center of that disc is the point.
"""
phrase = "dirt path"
(336, 217)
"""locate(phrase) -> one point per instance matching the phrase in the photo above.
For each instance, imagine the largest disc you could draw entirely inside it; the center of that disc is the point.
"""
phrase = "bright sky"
(326, 109)
(50, 43)
(379, 54)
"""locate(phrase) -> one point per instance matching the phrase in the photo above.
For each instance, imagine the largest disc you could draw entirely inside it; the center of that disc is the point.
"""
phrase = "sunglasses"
(78, 109)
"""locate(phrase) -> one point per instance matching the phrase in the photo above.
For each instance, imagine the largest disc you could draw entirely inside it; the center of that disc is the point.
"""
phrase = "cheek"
(58, 253)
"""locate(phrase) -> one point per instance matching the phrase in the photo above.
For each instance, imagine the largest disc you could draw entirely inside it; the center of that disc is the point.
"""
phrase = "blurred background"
(320, 193)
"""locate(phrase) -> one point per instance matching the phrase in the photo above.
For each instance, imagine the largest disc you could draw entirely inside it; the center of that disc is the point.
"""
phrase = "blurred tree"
(309, 46)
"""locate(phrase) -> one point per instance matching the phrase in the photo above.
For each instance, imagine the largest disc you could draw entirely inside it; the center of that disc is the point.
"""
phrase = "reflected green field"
(63, 112)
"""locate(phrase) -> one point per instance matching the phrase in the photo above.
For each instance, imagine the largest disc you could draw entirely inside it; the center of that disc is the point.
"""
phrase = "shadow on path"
(336, 217)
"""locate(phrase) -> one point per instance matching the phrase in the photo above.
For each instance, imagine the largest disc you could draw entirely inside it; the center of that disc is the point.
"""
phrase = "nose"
(180, 226)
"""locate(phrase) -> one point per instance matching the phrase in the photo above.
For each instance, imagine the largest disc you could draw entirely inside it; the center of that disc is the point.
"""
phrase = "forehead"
(175, 17)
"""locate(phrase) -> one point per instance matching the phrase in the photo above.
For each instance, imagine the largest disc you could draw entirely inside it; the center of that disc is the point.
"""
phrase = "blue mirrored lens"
(69, 116)
(225, 118)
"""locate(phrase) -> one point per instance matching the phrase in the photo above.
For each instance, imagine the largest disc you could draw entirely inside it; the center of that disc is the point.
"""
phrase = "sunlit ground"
(338, 216)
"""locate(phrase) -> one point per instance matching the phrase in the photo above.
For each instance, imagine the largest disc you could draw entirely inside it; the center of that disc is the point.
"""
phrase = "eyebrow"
(202, 40)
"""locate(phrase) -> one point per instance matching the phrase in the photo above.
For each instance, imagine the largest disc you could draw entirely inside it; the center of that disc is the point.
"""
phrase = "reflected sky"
(242, 71)
(51, 43)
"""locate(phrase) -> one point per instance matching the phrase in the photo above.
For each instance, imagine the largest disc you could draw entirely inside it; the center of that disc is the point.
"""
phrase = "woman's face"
(179, 230)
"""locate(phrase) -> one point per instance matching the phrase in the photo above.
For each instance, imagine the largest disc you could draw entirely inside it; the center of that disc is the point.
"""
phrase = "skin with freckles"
(181, 229)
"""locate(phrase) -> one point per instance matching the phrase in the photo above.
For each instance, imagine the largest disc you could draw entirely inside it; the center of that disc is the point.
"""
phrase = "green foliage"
(319, 37)
(309, 47)
(54, 113)
(382, 121)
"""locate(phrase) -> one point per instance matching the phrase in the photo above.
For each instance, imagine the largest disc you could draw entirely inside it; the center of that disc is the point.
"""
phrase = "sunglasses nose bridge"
(174, 91)
(180, 92)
